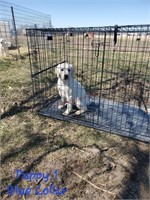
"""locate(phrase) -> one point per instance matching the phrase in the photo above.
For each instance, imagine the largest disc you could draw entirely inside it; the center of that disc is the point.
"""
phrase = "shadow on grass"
(35, 141)
(26, 104)
(22, 107)
(15, 109)
(138, 177)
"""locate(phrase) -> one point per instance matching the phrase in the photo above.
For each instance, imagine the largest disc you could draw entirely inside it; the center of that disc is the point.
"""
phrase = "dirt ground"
(91, 164)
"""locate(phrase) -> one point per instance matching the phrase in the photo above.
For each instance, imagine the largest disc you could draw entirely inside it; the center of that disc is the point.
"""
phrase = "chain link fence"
(14, 20)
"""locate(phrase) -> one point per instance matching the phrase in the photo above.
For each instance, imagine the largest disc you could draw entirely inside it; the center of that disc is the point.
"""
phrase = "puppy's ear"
(72, 69)
(57, 71)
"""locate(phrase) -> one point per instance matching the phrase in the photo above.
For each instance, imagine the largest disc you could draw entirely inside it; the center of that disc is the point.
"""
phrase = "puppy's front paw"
(66, 112)
(61, 106)
(79, 112)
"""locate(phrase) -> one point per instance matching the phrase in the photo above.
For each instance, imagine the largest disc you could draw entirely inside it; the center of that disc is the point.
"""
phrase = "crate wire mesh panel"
(112, 63)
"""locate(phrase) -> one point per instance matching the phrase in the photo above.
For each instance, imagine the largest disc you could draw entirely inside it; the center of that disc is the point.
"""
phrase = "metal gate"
(112, 63)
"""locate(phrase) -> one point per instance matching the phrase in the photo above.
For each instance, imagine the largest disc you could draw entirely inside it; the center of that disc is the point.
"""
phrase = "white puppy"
(4, 47)
(70, 90)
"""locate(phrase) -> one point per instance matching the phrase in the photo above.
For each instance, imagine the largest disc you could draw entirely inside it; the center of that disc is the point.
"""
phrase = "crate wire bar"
(112, 63)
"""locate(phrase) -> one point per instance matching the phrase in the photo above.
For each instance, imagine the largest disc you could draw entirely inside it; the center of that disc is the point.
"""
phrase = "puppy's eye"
(62, 69)
(68, 70)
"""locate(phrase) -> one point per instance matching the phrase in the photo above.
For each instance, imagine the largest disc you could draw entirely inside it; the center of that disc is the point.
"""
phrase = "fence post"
(14, 25)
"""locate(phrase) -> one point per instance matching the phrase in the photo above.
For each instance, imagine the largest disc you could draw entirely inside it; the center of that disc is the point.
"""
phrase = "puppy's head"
(64, 71)
(2, 41)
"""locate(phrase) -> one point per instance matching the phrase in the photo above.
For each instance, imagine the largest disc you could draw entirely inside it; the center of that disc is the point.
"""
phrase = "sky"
(81, 13)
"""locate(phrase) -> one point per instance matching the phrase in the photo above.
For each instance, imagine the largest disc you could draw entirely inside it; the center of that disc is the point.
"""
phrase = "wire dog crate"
(112, 63)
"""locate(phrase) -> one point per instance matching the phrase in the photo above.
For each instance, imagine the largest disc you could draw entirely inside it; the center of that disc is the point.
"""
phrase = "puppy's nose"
(66, 76)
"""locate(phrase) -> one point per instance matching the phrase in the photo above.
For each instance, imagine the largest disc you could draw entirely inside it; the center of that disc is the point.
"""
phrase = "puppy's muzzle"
(66, 77)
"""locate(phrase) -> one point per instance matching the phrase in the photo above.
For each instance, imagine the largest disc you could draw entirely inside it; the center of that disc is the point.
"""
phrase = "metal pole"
(14, 25)
(101, 78)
